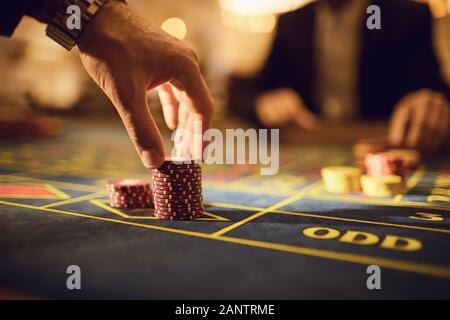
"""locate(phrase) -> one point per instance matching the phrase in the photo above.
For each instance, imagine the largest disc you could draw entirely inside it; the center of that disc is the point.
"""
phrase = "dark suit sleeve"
(424, 67)
(243, 91)
(12, 12)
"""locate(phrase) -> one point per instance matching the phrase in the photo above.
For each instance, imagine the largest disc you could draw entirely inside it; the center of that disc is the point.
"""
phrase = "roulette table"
(260, 237)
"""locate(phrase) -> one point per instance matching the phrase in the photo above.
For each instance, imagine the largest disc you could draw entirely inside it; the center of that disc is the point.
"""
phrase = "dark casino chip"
(171, 197)
(163, 217)
(194, 206)
(177, 171)
(177, 176)
(191, 213)
(177, 191)
(125, 198)
(180, 180)
(130, 206)
(176, 201)
(177, 186)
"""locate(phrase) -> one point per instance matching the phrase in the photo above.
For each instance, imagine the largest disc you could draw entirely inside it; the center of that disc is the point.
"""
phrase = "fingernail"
(151, 158)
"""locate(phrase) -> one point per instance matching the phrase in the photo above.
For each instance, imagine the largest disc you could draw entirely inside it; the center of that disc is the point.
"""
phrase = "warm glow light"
(175, 27)
(253, 7)
(438, 8)
(261, 23)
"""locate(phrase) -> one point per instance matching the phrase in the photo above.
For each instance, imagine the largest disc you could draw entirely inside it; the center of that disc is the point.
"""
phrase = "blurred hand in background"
(421, 120)
(126, 56)
(278, 108)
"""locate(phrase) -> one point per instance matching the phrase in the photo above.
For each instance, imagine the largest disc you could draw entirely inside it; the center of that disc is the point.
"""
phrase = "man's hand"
(126, 56)
(283, 106)
(421, 120)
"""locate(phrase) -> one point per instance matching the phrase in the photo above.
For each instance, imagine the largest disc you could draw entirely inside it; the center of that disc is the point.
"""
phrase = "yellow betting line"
(77, 199)
(59, 184)
(295, 197)
(232, 206)
(411, 183)
(422, 268)
(104, 205)
(59, 193)
(311, 215)
(373, 201)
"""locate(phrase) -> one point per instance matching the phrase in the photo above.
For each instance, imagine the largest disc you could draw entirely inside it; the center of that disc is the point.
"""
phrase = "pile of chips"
(129, 193)
(384, 169)
(177, 190)
(364, 146)
(384, 163)
(382, 185)
(341, 179)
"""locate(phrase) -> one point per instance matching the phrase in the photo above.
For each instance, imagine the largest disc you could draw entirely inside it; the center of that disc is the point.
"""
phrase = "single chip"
(170, 172)
(178, 175)
(146, 195)
(195, 212)
(171, 197)
(174, 185)
(163, 217)
(382, 186)
(337, 179)
(176, 190)
(177, 166)
(166, 206)
(176, 201)
(170, 180)
(187, 207)
(130, 206)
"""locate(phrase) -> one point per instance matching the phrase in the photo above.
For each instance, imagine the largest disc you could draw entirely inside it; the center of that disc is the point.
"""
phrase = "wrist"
(105, 29)
(98, 28)
(71, 18)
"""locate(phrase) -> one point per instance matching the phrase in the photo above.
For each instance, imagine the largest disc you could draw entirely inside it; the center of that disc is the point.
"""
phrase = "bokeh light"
(176, 27)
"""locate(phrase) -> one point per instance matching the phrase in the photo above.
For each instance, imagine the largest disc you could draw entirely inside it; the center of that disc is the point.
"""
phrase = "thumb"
(141, 127)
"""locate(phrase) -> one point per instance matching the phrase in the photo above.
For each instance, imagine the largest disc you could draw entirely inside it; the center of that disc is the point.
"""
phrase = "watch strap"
(58, 28)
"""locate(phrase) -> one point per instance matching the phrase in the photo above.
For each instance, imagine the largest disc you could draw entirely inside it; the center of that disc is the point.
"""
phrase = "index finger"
(398, 124)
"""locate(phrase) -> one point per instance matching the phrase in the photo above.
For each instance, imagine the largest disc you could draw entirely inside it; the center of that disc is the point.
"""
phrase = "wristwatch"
(68, 23)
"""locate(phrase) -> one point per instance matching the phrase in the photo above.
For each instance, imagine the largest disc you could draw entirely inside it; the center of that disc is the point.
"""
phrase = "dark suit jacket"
(395, 60)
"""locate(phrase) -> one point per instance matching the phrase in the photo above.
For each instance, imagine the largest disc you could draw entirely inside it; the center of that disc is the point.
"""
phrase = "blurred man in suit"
(326, 61)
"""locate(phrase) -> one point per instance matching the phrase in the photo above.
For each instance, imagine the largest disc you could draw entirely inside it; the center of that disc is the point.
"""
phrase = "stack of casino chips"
(129, 193)
(177, 190)
(362, 147)
(337, 179)
(382, 186)
(385, 175)
(384, 163)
